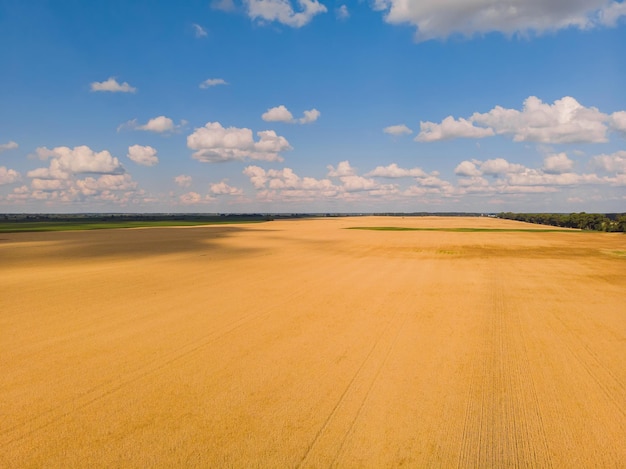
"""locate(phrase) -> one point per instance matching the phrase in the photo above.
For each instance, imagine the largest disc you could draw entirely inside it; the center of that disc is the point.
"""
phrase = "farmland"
(347, 342)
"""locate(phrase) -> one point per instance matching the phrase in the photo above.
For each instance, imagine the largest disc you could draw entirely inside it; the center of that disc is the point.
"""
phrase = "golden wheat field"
(299, 343)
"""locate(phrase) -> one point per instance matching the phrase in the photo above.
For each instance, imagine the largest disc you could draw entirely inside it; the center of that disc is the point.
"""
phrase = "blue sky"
(313, 106)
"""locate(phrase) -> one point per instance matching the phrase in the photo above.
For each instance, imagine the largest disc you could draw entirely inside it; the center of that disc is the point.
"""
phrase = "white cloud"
(223, 5)
(282, 11)
(214, 143)
(190, 198)
(498, 166)
(343, 169)
(112, 86)
(222, 188)
(557, 164)
(613, 163)
(199, 31)
(183, 180)
(611, 14)
(393, 171)
(468, 169)
(105, 183)
(212, 82)
(438, 20)
(285, 184)
(77, 175)
(310, 116)
(160, 124)
(143, 155)
(282, 114)
(400, 129)
(564, 121)
(617, 121)
(342, 12)
(8, 176)
(278, 114)
(66, 161)
(8, 146)
(450, 128)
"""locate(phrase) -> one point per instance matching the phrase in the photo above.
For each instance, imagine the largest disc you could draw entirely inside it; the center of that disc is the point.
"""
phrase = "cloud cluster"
(76, 175)
(564, 121)
(214, 143)
(438, 20)
(282, 11)
(556, 172)
(282, 114)
(112, 86)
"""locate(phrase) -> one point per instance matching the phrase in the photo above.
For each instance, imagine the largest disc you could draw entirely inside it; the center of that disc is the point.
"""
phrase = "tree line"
(613, 222)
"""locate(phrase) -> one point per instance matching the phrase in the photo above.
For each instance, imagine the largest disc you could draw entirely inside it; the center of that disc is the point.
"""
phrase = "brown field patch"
(302, 344)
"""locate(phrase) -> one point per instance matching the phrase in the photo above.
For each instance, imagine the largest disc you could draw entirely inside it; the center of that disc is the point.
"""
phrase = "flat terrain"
(299, 343)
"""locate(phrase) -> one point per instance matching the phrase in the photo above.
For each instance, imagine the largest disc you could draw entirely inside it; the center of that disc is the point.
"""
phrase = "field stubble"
(301, 344)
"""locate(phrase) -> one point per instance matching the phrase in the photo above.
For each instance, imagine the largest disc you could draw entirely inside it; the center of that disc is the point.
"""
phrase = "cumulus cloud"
(283, 12)
(309, 116)
(282, 114)
(278, 114)
(351, 181)
(499, 166)
(513, 178)
(564, 121)
(190, 198)
(65, 161)
(285, 184)
(396, 130)
(450, 128)
(199, 31)
(467, 169)
(183, 180)
(208, 83)
(160, 124)
(557, 164)
(438, 20)
(78, 174)
(143, 155)
(342, 13)
(214, 143)
(393, 171)
(8, 176)
(222, 188)
(613, 163)
(617, 121)
(111, 85)
(8, 146)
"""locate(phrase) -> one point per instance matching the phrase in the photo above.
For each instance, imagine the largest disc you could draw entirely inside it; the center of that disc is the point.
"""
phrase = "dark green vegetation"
(458, 230)
(612, 222)
(24, 223)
